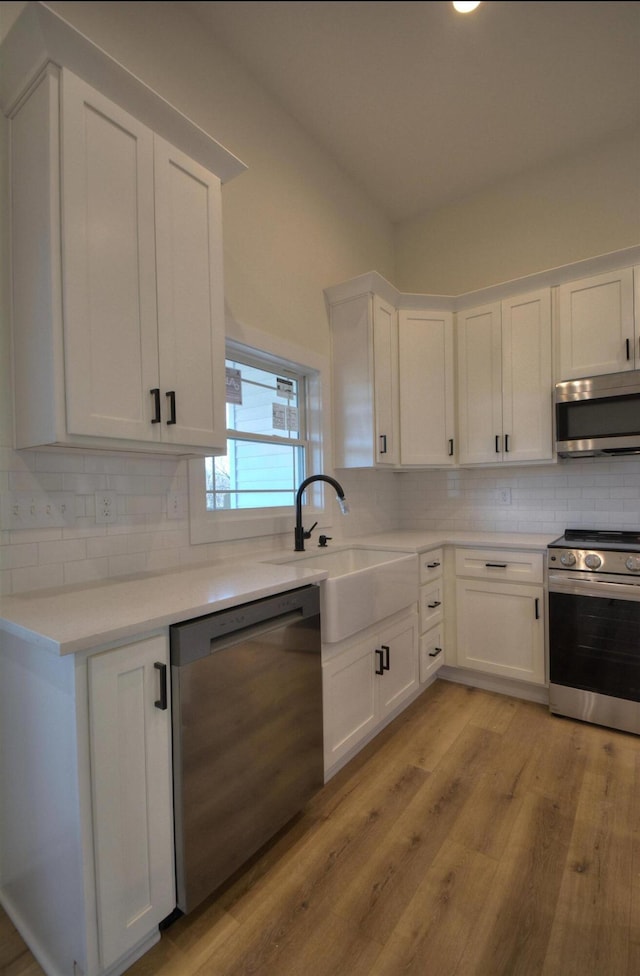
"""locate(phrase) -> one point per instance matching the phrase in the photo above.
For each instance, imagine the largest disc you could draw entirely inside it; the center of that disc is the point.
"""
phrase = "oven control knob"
(568, 559)
(633, 563)
(593, 560)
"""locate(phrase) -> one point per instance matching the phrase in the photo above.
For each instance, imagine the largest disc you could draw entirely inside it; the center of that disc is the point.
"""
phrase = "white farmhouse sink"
(363, 586)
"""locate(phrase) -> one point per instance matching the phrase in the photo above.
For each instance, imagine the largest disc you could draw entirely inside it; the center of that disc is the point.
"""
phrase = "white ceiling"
(422, 105)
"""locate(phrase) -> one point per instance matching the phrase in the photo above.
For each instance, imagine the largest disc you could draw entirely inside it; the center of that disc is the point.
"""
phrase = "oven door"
(594, 649)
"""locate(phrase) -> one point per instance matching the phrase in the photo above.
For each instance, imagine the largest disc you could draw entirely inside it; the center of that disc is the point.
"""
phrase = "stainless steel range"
(594, 627)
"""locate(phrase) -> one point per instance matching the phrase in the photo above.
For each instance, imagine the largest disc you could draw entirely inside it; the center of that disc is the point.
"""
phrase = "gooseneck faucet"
(300, 533)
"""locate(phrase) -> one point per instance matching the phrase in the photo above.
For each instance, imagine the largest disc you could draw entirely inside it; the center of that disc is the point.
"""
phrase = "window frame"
(228, 525)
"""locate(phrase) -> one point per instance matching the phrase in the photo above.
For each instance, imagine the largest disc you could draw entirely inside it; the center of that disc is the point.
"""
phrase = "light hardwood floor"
(477, 836)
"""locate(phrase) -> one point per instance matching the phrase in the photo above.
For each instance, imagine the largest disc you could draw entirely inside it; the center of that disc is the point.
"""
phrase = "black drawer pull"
(161, 703)
(383, 448)
(497, 443)
(496, 565)
(506, 443)
(628, 349)
(432, 606)
(435, 652)
(380, 668)
(451, 447)
(432, 565)
(537, 603)
(155, 393)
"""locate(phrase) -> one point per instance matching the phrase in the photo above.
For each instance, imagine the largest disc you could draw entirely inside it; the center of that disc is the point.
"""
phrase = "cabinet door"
(132, 795)
(596, 325)
(500, 629)
(425, 355)
(479, 385)
(385, 369)
(527, 384)
(400, 645)
(190, 300)
(349, 700)
(109, 283)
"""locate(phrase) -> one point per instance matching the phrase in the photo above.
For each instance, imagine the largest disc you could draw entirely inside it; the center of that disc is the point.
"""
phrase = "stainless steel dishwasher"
(247, 732)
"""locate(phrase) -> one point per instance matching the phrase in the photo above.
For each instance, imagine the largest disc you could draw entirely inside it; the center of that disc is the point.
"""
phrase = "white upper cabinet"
(596, 328)
(364, 358)
(142, 283)
(426, 384)
(505, 381)
(118, 320)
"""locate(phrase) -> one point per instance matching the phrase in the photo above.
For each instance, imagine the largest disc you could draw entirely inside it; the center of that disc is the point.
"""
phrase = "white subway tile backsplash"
(61, 551)
(544, 499)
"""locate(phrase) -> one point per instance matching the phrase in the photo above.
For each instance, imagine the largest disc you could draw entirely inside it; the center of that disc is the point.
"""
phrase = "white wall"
(574, 209)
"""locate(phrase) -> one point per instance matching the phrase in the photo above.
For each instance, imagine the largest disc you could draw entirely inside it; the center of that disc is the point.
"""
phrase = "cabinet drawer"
(431, 652)
(430, 565)
(500, 564)
(430, 605)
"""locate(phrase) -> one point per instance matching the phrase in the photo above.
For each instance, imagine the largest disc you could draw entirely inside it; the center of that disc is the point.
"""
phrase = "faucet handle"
(322, 541)
(308, 532)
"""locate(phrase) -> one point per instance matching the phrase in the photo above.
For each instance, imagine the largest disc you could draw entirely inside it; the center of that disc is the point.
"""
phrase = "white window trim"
(227, 526)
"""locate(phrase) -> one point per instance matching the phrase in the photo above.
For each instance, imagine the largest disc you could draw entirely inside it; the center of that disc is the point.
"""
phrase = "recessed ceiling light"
(465, 8)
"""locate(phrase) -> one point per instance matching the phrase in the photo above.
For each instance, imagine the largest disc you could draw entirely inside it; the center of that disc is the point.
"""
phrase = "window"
(266, 455)
(277, 434)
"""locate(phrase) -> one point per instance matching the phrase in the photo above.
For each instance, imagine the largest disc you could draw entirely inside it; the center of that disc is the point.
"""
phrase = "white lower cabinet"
(365, 683)
(500, 623)
(130, 742)
(87, 858)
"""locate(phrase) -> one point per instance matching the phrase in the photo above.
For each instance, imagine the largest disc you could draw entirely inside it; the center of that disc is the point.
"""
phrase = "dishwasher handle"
(195, 639)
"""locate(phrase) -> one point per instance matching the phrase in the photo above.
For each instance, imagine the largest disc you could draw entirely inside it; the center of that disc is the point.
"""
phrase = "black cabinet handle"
(432, 606)
(628, 349)
(385, 648)
(432, 565)
(497, 443)
(155, 393)
(537, 604)
(506, 443)
(380, 668)
(383, 447)
(161, 703)
(435, 652)
(451, 447)
(172, 407)
(496, 565)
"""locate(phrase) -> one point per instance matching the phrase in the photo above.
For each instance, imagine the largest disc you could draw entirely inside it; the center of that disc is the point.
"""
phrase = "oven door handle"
(600, 587)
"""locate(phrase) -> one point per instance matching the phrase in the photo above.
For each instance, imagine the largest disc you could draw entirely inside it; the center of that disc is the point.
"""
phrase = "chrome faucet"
(300, 533)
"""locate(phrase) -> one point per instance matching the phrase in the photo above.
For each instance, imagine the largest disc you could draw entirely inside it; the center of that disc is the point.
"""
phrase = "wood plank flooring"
(477, 836)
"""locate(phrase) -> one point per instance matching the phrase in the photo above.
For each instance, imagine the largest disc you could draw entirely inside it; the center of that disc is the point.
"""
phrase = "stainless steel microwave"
(598, 415)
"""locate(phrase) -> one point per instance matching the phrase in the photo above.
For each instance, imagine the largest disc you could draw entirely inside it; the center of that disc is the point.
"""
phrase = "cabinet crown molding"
(40, 36)
(373, 282)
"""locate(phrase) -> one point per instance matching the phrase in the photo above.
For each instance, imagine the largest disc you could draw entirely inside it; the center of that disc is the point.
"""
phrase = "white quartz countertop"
(72, 619)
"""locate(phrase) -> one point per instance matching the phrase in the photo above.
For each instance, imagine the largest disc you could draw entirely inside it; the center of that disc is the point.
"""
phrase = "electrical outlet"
(106, 502)
(504, 496)
(175, 505)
